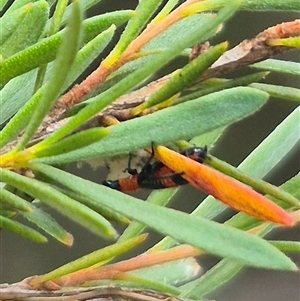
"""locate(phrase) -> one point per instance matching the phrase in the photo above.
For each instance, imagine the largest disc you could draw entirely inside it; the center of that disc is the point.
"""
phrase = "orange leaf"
(225, 189)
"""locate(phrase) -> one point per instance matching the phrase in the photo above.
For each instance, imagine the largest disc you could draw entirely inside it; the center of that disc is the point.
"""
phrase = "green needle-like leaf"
(257, 164)
(192, 118)
(226, 269)
(286, 246)
(215, 85)
(45, 51)
(279, 66)
(44, 221)
(102, 210)
(29, 30)
(144, 11)
(22, 230)
(9, 23)
(158, 197)
(139, 75)
(172, 273)
(14, 98)
(163, 196)
(10, 201)
(166, 9)
(223, 271)
(63, 63)
(2, 4)
(184, 77)
(262, 159)
(60, 202)
(93, 258)
(85, 5)
(57, 16)
(73, 142)
(279, 91)
(264, 4)
(201, 233)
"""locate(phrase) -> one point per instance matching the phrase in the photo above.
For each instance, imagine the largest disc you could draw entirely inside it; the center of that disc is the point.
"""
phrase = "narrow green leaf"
(249, 249)
(209, 138)
(139, 75)
(18, 91)
(95, 25)
(44, 221)
(172, 273)
(73, 142)
(221, 84)
(261, 160)
(227, 269)
(143, 13)
(89, 53)
(63, 63)
(130, 280)
(223, 271)
(166, 9)
(93, 258)
(60, 202)
(57, 16)
(157, 45)
(279, 66)
(104, 211)
(46, 50)
(279, 91)
(13, 202)
(85, 4)
(21, 230)
(286, 246)
(163, 196)
(2, 4)
(29, 31)
(21, 119)
(218, 275)
(184, 77)
(9, 23)
(257, 164)
(192, 118)
(18, 4)
(179, 29)
(7, 213)
(159, 197)
(265, 5)
(270, 152)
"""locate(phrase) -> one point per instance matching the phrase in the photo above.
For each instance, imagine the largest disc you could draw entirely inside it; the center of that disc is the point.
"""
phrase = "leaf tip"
(68, 239)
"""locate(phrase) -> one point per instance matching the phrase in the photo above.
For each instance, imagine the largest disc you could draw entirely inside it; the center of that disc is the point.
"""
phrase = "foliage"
(43, 56)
